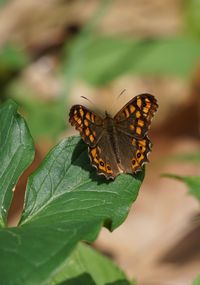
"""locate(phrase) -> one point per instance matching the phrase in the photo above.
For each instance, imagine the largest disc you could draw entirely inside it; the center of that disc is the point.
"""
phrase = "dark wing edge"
(133, 101)
(87, 123)
(135, 117)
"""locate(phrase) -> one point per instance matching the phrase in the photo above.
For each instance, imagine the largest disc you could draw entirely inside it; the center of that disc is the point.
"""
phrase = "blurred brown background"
(52, 52)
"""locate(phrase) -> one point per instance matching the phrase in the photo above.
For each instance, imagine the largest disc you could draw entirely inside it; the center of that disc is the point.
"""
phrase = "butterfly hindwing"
(87, 123)
(133, 153)
(135, 117)
(103, 158)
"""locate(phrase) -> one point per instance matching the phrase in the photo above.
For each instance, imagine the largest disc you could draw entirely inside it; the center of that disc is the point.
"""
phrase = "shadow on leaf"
(83, 279)
(86, 279)
(119, 282)
(80, 158)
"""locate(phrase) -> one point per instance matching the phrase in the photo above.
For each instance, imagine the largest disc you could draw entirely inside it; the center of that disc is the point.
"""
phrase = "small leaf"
(86, 262)
(16, 153)
(193, 183)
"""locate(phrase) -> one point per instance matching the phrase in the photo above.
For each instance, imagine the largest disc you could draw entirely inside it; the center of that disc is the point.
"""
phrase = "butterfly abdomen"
(112, 137)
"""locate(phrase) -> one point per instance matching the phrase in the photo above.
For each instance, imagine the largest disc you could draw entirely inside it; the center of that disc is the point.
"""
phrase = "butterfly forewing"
(135, 117)
(87, 123)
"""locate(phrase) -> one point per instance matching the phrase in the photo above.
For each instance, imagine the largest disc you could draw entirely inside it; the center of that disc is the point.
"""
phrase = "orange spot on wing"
(132, 108)
(138, 115)
(92, 118)
(139, 103)
(86, 123)
(79, 121)
(87, 115)
(91, 137)
(140, 123)
(87, 131)
(138, 130)
(94, 152)
(127, 112)
(81, 112)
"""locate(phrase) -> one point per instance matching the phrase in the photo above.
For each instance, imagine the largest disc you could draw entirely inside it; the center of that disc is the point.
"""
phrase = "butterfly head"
(107, 114)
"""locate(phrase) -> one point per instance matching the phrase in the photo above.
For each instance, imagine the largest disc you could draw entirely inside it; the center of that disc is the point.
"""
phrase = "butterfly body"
(117, 144)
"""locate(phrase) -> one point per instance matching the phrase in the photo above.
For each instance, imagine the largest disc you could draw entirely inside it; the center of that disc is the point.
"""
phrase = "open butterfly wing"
(135, 117)
(87, 123)
(133, 152)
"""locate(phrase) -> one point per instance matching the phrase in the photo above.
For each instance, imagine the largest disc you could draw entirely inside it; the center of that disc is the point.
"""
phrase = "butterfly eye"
(102, 163)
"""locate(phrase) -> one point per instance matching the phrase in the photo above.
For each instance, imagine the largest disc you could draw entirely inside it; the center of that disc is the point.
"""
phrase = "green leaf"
(87, 263)
(193, 183)
(66, 180)
(30, 254)
(16, 153)
(196, 281)
(108, 58)
(66, 202)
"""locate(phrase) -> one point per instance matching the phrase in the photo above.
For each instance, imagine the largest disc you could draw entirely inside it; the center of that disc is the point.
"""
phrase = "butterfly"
(118, 144)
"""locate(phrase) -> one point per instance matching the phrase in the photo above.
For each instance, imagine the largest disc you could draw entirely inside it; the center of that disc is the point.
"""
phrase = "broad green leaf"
(66, 180)
(107, 58)
(196, 281)
(65, 202)
(193, 183)
(86, 262)
(30, 254)
(16, 153)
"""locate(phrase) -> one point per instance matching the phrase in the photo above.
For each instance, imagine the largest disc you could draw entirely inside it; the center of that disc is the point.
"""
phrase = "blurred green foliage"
(107, 58)
(196, 281)
(98, 59)
(192, 182)
(47, 119)
(12, 58)
(192, 16)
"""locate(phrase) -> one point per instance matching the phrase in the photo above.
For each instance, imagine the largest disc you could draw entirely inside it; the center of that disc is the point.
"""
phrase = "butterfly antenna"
(88, 100)
(121, 93)
(91, 102)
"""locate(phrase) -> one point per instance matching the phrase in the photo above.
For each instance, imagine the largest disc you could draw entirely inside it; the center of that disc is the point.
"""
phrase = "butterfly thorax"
(108, 122)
